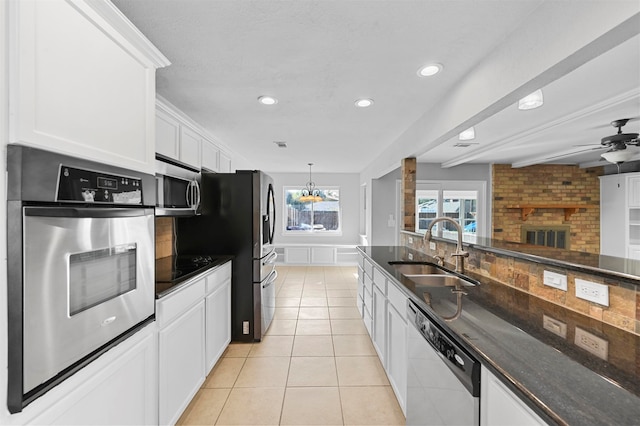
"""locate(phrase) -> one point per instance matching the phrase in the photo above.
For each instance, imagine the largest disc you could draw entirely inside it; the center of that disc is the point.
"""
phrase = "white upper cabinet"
(82, 82)
(620, 215)
(224, 163)
(210, 154)
(167, 135)
(181, 139)
(190, 143)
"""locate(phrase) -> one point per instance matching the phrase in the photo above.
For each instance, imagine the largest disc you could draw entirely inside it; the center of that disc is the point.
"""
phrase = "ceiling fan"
(618, 142)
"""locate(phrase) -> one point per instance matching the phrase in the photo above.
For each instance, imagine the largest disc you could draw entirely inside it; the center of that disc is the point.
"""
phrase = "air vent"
(281, 144)
(465, 144)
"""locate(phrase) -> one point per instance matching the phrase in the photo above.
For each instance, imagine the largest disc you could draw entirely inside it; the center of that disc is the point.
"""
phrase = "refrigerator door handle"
(271, 258)
(271, 211)
(270, 279)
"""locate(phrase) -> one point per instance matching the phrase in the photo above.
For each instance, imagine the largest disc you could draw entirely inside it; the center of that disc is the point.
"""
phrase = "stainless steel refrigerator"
(238, 219)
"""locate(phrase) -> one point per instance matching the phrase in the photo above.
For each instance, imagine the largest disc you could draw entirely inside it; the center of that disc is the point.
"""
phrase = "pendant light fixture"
(310, 193)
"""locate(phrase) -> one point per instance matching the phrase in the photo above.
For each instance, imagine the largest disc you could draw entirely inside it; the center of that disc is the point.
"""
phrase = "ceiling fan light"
(468, 134)
(532, 101)
(617, 157)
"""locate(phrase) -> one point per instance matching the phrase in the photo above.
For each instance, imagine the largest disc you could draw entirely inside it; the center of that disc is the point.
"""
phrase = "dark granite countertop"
(164, 266)
(503, 326)
(597, 264)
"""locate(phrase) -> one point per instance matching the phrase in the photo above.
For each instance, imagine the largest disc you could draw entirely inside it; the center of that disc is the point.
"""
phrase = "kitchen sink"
(418, 269)
(430, 275)
(440, 280)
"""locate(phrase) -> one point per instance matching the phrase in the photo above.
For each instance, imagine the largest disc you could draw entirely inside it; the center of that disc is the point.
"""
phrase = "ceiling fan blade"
(608, 125)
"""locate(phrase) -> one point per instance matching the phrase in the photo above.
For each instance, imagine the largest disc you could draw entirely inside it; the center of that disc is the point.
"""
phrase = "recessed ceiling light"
(363, 103)
(429, 70)
(467, 135)
(531, 101)
(267, 100)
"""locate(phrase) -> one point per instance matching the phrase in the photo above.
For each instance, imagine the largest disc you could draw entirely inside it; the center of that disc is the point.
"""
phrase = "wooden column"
(408, 197)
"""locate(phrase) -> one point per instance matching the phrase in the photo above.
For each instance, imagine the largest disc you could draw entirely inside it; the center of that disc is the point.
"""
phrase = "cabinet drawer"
(397, 298)
(368, 268)
(218, 277)
(368, 299)
(380, 280)
(368, 284)
(368, 322)
(174, 304)
(360, 304)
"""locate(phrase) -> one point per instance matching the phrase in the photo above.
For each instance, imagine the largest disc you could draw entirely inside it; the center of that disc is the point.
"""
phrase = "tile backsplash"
(623, 311)
(164, 237)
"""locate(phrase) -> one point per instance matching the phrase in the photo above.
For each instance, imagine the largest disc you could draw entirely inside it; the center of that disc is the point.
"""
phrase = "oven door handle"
(86, 212)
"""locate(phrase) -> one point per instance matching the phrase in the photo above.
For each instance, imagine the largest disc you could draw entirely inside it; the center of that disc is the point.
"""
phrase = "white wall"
(349, 184)
(4, 138)
(384, 197)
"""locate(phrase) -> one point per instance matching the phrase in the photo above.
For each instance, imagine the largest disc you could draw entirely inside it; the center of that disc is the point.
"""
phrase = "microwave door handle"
(196, 189)
(188, 192)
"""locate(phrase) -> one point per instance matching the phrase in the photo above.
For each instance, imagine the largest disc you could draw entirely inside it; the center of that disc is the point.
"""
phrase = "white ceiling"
(318, 56)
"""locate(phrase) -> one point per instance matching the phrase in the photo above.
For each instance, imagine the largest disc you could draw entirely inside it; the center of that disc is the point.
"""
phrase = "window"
(313, 216)
(460, 201)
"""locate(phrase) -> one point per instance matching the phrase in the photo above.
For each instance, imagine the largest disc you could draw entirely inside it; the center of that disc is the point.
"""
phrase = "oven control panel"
(90, 186)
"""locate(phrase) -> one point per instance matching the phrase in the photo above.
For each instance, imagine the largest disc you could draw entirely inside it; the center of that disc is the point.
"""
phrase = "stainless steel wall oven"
(80, 265)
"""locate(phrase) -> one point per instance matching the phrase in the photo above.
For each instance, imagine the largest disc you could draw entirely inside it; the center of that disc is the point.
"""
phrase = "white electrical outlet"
(553, 325)
(432, 245)
(555, 280)
(592, 343)
(245, 327)
(593, 292)
(410, 240)
(410, 256)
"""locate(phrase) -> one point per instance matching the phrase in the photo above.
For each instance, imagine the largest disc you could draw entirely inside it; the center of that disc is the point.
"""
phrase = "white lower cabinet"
(218, 314)
(119, 388)
(383, 306)
(499, 406)
(397, 354)
(379, 332)
(194, 326)
(182, 363)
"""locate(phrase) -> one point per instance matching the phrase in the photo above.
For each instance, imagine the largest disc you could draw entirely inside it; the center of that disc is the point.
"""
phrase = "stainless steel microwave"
(177, 190)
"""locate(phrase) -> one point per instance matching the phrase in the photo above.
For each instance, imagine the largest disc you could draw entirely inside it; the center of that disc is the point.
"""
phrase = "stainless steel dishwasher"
(443, 382)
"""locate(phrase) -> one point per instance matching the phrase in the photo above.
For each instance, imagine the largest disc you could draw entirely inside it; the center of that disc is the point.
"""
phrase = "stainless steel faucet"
(459, 253)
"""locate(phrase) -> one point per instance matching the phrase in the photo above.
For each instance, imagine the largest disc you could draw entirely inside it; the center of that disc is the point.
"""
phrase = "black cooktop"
(173, 270)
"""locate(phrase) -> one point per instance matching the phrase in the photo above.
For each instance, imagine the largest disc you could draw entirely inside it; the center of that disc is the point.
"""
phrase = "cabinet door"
(209, 156)
(224, 164)
(181, 362)
(190, 143)
(380, 324)
(218, 326)
(90, 95)
(499, 406)
(167, 135)
(397, 354)
(633, 185)
(119, 388)
(612, 217)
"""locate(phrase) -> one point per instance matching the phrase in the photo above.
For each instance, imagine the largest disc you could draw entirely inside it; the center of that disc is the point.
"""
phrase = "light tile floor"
(315, 366)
